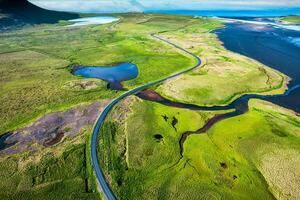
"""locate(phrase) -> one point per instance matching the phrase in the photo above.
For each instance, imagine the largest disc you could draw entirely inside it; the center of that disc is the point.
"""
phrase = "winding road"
(104, 186)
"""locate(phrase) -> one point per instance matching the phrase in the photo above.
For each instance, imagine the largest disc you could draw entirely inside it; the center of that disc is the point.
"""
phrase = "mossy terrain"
(36, 80)
(59, 172)
(252, 156)
(139, 143)
(139, 147)
(34, 60)
(224, 75)
(291, 19)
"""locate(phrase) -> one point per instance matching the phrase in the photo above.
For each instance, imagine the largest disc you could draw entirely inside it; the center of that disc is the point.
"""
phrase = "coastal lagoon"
(274, 46)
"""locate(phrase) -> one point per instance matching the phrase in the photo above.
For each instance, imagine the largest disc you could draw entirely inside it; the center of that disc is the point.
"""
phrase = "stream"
(275, 47)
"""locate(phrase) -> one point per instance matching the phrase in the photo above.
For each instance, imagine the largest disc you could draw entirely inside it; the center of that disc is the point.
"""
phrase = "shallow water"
(113, 75)
(93, 20)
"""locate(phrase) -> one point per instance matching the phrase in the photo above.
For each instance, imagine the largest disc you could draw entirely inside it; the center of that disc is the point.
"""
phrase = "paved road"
(104, 186)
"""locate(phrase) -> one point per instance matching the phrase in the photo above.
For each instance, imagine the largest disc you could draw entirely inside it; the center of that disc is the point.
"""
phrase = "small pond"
(3, 141)
(114, 75)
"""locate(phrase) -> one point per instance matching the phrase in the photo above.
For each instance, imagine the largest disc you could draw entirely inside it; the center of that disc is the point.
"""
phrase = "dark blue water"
(3, 143)
(277, 48)
(113, 75)
(233, 13)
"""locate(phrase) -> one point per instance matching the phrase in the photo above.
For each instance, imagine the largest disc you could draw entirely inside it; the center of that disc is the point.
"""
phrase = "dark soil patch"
(158, 137)
(174, 122)
(50, 129)
(74, 68)
(279, 133)
(165, 117)
(223, 165)
(55, 140)
(120, 182)
(116, 86)
(150, 95)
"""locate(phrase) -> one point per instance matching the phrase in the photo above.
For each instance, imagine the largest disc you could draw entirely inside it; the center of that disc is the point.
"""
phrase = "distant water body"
(272, 45)
(93, 20)
(262, 22)
(233, 13)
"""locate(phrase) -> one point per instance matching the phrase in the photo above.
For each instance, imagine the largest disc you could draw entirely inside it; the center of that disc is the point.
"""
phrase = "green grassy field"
(244, 162)
(224, 75)
(268, 138)
(35, 80)
(291, 19)
(59, 172)
(34, 60)
(132, 154)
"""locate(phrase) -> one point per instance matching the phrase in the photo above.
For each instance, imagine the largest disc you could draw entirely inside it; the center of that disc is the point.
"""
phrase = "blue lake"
(114, 75)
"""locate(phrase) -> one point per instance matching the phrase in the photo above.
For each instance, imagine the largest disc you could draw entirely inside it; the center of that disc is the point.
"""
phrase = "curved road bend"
(107, 192)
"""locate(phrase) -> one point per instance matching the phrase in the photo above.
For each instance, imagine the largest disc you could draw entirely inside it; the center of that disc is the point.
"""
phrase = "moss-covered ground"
(224, 75)
(139, 148)
(60, 172)
(35, 80)
(252, 156)
(34, 60)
